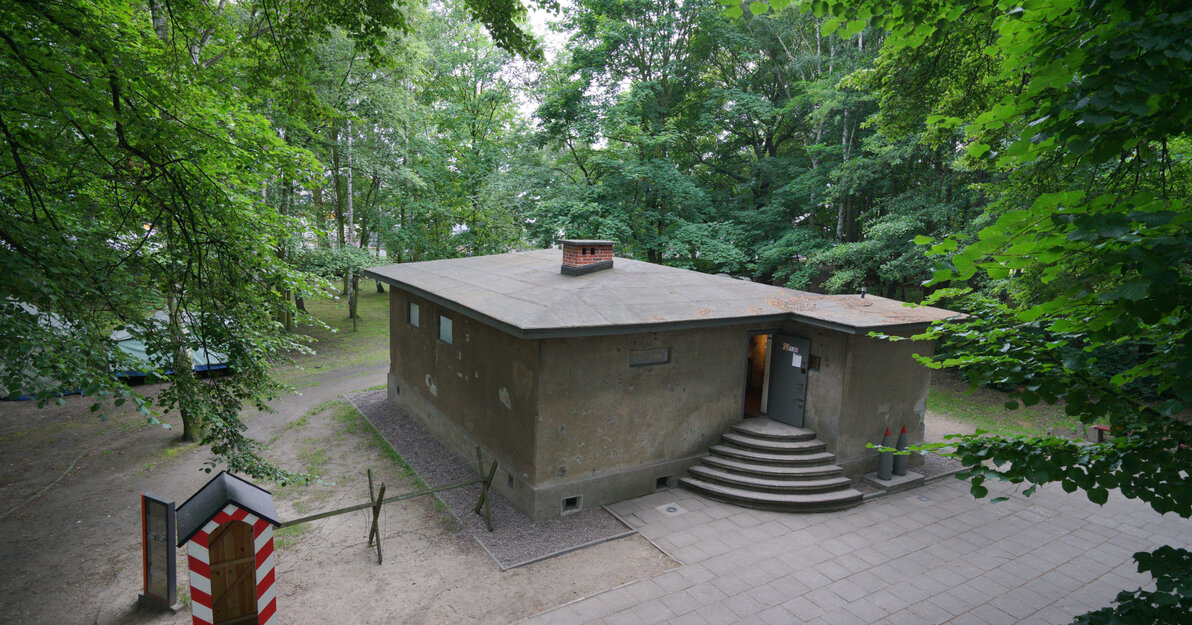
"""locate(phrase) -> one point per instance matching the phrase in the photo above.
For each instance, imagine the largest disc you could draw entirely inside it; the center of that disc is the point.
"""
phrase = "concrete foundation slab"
(895, 483)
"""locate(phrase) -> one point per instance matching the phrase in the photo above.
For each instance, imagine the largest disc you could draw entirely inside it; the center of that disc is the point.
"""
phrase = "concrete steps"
(783, 484)
(772, 466)
(770, 445)
(794, 458)
(771, 470)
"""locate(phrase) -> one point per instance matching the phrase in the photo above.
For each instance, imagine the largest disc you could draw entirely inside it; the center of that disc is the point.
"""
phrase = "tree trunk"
(183, 377)
(352, 299)
(316, 195)
(340, 195)
(161, 24)
(350, 211)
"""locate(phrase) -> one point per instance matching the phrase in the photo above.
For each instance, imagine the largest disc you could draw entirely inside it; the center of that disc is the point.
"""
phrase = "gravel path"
(515, 539)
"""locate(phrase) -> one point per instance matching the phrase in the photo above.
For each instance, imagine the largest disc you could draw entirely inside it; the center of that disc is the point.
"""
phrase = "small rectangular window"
(813, 362)
(413, 315)
(644, 357)
(445, 329)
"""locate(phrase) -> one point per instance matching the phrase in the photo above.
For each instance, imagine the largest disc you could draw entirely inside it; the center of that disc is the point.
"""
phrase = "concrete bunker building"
(592, 379)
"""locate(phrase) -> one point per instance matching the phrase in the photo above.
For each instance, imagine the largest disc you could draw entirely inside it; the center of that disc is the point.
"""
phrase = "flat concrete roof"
(524, 293)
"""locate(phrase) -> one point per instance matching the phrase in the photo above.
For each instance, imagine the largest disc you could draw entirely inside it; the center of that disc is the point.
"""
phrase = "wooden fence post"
(376, 518)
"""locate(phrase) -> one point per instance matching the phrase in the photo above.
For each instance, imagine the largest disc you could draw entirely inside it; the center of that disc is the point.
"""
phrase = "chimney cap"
(587, 242)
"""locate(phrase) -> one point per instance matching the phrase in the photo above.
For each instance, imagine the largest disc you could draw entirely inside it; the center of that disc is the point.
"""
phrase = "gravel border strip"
(515, 540)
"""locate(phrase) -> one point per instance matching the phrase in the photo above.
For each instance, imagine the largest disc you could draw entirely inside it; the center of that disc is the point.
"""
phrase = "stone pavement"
(932, 555)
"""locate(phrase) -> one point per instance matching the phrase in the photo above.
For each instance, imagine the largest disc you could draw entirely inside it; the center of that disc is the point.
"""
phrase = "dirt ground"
(72, 553)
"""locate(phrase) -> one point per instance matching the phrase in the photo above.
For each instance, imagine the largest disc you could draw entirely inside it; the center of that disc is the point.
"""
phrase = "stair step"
(776, 485)
(765, 428)
(788, 502)
(776, 446)
(786, 459)
(772, 470)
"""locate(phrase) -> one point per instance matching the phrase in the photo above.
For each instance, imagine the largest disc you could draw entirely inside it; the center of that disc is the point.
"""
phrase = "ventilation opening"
(509, 481)
(572, 504)
(662, 482)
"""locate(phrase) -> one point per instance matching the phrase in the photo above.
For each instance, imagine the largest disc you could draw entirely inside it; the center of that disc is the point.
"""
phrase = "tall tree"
(1084, 109)
(136, 167)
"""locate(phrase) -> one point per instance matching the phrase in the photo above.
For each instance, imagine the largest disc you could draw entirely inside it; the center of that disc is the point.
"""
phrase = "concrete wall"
(609, 430)
(883, 387)
(479, 389)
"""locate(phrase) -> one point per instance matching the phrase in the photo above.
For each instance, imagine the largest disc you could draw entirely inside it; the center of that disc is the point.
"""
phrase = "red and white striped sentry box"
(263, 560)
(227, 527)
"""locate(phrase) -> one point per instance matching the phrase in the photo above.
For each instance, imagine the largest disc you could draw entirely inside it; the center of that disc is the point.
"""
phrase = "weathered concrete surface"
(599, 416)
(480, 388)
(883, 387)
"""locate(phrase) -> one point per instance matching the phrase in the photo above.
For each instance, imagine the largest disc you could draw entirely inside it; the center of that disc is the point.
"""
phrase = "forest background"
(1026, 162)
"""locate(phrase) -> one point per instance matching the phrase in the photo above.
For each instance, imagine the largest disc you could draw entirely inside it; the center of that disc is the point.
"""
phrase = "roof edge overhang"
(581, 331)
(185, 536)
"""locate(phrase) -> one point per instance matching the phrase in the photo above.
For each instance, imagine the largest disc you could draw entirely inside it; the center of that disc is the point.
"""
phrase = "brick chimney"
(582, 256)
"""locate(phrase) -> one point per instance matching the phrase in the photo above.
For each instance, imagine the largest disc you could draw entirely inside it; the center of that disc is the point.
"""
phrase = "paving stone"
(680, 603)
(696, 574)
(617, 600)
(867, 611)
(811, 578)
(766, 596)
(994, 616)
(894, 561)
(967, 619)
(624, 617)
(789, 586)
(848, 590)
(777, 615)
(732, 584)
(706, 594)
(652, 613)
(825, 599)
(672, 582)
(887, 601)
(803, 608)
(691, 618)
(742, 604)
(716, 613)
(832, 570)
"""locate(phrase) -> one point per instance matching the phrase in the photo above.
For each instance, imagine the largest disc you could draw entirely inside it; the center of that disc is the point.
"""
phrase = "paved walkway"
(928, 556)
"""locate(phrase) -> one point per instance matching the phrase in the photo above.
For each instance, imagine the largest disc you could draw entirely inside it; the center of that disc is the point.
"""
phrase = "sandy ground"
(72, 554)
(937, 426)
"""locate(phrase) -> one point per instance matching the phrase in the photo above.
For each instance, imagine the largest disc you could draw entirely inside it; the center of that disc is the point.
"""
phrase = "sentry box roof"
(524, 294)
(223, 489)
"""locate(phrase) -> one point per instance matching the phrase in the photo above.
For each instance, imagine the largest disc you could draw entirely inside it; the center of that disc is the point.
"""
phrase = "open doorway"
(757, 376)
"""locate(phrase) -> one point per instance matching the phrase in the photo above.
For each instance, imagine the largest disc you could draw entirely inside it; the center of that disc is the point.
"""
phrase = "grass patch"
(285, 536)
(314, 458)
(169, 453)
(985, 409)
(338, 345)
(352, 422)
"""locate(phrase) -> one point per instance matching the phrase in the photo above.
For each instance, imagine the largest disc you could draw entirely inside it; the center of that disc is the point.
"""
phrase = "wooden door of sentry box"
(233, 579)
(788, 379)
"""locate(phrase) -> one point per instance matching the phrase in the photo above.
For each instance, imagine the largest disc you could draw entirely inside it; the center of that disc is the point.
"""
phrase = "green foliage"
(150, 154)
(1084, 109)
